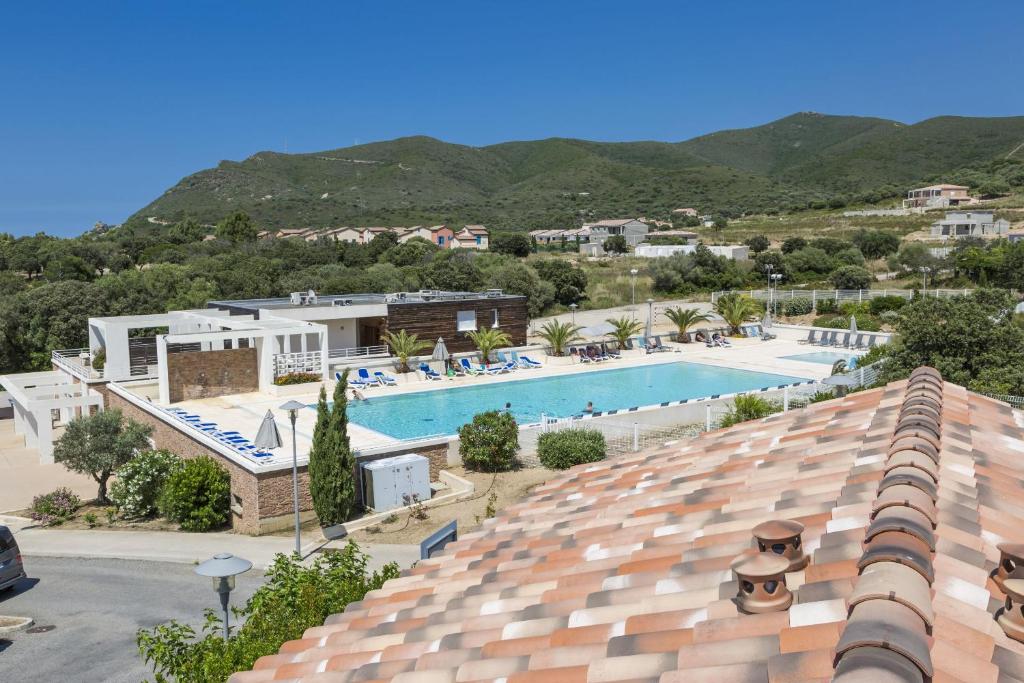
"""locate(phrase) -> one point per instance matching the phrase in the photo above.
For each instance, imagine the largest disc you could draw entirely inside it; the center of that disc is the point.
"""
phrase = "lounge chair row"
(845, 340)
(594, 353)
(231, 439)
(506, 364)
(363, 379)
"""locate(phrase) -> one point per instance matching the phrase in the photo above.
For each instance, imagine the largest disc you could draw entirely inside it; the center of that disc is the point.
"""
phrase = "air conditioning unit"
(391, 483)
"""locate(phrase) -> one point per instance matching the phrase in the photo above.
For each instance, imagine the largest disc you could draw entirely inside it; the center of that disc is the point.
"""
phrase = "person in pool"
(508, 407)
(589, 409)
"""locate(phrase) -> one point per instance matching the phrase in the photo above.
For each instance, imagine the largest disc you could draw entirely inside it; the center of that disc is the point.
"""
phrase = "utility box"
(390, 482)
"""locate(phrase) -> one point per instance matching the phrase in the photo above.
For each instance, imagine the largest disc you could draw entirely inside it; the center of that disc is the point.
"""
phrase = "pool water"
(428, 413)
(823, 357)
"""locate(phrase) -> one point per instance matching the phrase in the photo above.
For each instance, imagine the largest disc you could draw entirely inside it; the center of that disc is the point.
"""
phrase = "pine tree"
(331, 463)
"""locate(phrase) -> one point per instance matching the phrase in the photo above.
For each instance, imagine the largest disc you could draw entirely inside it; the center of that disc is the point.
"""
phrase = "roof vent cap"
(762, 583)
(782, 537)
(1011, 563)
(1011, 616)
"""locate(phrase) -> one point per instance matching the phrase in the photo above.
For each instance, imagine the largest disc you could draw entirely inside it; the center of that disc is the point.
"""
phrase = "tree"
(876, 244)
(569, 281)
(748, 407)
(758, 243)
(187, 231)
(972, 340)
(453, 271)
(511, 243)
(616, 244)
(237, 228)
(851, 277)
(404, 346)
(623, 328)
(735, 310)
(294, 596)
(98, 444)
(559, 335)
(515, 277)
(810, 260)
(791, 244)
(331, 463)
(487, 339)
(684, 319)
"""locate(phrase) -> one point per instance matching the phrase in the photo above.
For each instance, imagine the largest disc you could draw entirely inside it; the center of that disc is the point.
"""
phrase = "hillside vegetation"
(802, 161)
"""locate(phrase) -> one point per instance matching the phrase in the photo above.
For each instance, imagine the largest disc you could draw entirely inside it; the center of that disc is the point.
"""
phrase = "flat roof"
(422, 296)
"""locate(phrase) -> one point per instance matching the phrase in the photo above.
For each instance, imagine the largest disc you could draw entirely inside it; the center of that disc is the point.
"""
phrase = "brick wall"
(204, 374)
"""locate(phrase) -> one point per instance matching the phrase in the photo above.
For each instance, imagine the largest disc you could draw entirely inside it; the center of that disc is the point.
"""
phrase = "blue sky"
(104, 105)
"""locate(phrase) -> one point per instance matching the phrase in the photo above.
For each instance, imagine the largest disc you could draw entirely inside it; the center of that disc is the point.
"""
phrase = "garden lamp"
(572, 307)
(223, 568)
(840, 382)
(633, 272)
(292, 408)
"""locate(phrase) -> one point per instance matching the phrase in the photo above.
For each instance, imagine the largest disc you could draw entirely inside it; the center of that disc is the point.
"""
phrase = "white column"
(161, 369)
(44, 423)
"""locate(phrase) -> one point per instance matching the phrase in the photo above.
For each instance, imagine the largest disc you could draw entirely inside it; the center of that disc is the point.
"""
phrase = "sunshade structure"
(853, 324)
(268, 437)
(766, 322)
(598, 330)
(440, 351)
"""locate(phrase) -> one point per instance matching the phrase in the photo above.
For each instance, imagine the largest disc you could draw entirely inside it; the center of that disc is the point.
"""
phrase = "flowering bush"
(56, 507)
(139, 482)
(297, 378)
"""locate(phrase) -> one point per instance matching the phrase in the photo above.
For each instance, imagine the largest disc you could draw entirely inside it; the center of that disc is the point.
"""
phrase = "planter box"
(295, 389)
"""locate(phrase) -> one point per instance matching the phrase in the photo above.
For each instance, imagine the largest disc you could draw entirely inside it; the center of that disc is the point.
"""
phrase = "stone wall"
(204, 374)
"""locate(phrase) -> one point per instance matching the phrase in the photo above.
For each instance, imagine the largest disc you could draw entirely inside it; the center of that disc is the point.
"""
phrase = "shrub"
(99, 359)
(136, 490)
(55, 507)
(490, 442)
(90, 519)
(297, 378)
(197, 495)
(797, 307)
(823, 306)
(881, 304)
(562, 450)
(293, 597)
(851, 277)
(749, 407)
(865, 323)
(331, 463)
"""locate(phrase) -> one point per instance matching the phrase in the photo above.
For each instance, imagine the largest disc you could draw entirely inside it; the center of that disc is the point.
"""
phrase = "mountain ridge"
(798, 160)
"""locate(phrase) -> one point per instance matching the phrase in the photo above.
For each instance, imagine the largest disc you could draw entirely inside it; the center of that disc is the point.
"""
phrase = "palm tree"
(735, 310)
(404, 345)
(624, 328)
(488, 339)
(559, 335)
(684, 319)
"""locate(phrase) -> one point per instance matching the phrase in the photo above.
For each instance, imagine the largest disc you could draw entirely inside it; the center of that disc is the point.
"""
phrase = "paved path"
(180, 547)
(96, 606)
(22, 476)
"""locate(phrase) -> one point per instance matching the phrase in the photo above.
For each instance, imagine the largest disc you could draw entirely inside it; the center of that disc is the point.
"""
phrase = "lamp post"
(572, 308)
(768, 269)
(223, 568)
(775, 281)
(650, 317)
(293, 407)
(633, 272)
(924, 276)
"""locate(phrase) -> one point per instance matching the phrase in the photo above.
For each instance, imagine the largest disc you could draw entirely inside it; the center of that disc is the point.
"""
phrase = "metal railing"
(78, 362)
(380, 350)
(304, 361)
(837, 295)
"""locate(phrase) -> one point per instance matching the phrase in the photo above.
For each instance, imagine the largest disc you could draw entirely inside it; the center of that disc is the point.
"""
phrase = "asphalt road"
(96, 606)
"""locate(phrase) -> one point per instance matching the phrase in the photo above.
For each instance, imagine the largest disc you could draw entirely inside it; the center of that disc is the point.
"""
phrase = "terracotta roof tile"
(620, 570)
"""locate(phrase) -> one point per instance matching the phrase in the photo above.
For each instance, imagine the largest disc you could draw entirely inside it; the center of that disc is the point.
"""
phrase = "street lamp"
(572, 307)
(292, 407)
(223, 568)
(768, 269)
(633, 272)
(924, 276)
(650, 317)
(775, 277)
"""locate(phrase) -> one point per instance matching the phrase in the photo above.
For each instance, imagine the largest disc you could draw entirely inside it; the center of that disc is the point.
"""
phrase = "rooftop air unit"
(393, 482)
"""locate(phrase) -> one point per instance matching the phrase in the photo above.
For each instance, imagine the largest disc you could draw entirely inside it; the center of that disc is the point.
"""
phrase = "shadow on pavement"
(23, 586)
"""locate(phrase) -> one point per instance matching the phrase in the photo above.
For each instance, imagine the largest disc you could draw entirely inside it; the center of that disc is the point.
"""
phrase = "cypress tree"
(331, 463)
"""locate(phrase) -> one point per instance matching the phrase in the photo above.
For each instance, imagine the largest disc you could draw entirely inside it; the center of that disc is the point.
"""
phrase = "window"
(494, 318)
(440, 240)
(465, 321)
(479, 239)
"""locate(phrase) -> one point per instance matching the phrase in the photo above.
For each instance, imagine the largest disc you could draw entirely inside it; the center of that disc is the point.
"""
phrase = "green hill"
(787, 164)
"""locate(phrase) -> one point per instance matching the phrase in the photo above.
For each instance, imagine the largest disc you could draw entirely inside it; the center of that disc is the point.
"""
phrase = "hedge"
(562, 450)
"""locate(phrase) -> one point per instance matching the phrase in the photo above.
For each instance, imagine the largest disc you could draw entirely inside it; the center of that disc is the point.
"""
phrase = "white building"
(735, 252)
(959, 224)
(635, 231)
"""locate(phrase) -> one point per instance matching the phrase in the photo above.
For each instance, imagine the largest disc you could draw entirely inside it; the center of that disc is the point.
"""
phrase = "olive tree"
(98, 444)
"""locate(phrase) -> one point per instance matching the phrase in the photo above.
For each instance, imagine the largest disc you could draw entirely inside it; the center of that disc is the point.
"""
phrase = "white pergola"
(38, 397)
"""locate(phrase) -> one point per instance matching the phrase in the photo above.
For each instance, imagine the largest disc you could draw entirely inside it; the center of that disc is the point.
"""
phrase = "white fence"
(380, 351)
(306, 361)
(837, 295)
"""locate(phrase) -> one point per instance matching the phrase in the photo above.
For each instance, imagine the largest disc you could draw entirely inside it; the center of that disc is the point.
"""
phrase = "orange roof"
(622, 570)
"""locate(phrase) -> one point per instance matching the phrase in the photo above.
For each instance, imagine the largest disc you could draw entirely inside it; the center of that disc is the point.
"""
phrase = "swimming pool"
(427, 413)
(823, 357)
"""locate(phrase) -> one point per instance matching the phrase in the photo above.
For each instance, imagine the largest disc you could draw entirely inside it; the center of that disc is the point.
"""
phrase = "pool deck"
(243, 412)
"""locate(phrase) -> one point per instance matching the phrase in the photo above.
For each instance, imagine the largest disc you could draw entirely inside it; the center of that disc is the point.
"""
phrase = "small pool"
(428, 413)
(823, 357)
